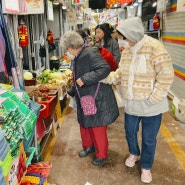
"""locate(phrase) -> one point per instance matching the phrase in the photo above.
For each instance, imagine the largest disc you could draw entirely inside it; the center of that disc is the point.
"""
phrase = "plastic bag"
(119, 99)
(72, 103)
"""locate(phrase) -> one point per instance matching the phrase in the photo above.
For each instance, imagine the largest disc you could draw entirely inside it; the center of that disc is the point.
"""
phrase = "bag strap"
(98, 86)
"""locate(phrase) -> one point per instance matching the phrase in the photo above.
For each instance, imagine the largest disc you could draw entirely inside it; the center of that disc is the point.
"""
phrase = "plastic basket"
(54, 92)
(30, 82)
(42, 112)
(41, 168)
(32, 179)
(6, 164)
(41, 128)
(30, 152)
(49, 105)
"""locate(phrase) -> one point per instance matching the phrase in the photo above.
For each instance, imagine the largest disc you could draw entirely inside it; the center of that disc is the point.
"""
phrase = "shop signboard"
(117, 3)
(11, 6)
(161, 5)
(32, 7)
(71, 18)
(78, 2)
(50, 11)
(180, 5)
(23, 6)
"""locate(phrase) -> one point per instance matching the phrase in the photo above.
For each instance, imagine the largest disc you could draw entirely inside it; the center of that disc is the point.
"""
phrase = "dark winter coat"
(113, 46)
(91, 68)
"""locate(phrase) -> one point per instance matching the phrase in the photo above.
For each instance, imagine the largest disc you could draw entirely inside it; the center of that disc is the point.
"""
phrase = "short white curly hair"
(71, 39)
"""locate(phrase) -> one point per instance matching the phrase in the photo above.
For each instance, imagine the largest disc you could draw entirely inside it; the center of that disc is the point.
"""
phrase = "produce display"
(50, 80)
(65, 59)
(54, 78)
(27, 75)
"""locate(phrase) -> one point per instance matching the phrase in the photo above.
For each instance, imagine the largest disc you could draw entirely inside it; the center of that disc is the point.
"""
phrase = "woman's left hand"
(79, 82)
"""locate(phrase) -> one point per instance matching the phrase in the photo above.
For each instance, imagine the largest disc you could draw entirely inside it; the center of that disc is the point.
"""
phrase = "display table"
(18, 119)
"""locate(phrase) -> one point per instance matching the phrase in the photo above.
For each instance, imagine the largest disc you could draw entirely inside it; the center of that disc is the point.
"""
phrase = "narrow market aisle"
(69, 169)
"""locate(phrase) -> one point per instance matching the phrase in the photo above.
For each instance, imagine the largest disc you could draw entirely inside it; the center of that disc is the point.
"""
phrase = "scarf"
(134, 54)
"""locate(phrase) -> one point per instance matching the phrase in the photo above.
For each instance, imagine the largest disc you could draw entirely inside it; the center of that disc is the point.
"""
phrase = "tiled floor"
(69, 169)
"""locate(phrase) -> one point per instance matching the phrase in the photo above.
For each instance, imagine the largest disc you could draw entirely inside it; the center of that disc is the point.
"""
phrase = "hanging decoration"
(23, 34)
(50, 37)
(156, 22)
(131, 11)
(109, 16)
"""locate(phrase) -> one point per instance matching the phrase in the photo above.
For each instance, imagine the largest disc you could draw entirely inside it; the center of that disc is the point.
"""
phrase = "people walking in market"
(104, 31)
(146, 74)
(88, 69)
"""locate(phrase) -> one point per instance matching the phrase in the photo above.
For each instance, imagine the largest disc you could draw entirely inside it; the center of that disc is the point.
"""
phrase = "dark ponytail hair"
(82, 33)
(107, 29)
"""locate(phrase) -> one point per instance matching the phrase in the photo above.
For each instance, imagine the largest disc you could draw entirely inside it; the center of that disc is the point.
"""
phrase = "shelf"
(147, 32)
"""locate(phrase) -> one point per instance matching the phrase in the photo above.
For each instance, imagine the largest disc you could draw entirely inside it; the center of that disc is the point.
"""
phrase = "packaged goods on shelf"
(18, 120)
(2, 180)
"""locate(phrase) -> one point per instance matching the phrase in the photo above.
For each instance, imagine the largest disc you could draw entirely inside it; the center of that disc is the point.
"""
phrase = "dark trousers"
(96, 136)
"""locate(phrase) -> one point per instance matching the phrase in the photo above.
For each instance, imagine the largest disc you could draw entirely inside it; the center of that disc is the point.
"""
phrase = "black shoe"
(86, 151)
(98, 161)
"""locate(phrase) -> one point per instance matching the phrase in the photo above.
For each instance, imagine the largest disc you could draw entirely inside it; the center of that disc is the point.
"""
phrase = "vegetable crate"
(50, 107)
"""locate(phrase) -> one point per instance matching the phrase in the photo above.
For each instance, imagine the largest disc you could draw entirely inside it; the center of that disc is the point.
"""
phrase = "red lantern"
(23, 34)
(156, 22)
(50, 37)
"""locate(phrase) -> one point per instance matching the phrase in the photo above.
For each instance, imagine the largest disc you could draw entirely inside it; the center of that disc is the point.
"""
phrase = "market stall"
(18, 117)
(49, 90)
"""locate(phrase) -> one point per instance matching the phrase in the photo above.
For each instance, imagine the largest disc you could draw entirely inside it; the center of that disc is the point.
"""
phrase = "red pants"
(96, 136)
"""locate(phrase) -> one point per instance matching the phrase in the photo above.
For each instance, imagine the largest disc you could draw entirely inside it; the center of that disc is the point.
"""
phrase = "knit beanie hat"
(132, 29)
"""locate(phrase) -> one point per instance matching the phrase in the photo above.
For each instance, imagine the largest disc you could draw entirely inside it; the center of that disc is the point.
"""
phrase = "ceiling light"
(154, 4)
(140, 1)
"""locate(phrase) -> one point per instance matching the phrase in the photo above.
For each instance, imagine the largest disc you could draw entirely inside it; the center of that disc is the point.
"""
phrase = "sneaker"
(131, 160)
(146, 176)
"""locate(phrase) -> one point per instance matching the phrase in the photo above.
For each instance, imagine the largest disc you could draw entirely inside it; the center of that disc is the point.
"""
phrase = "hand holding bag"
(88, 103)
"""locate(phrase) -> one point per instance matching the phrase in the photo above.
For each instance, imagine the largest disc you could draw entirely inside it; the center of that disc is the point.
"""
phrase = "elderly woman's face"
(70, 53)
(99, 32)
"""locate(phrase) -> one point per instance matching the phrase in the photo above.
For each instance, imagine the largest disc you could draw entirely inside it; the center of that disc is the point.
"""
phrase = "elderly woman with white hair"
(145, 73)
(88, 69)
